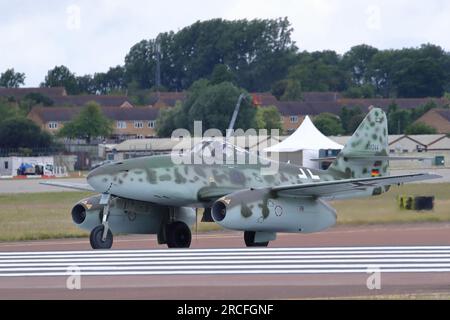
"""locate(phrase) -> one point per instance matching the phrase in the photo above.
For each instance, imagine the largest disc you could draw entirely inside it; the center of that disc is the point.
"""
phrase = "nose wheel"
(97, 241)
(178, 235)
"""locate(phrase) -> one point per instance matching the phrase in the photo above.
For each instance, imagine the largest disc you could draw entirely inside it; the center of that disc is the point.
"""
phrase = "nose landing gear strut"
(101, 236)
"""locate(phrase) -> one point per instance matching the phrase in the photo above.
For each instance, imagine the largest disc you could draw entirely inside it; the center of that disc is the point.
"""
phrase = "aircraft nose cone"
(96, 180)
(90, 175)
(91, 178)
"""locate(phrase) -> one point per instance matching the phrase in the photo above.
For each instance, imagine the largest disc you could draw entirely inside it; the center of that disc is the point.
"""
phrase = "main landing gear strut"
(101, 236)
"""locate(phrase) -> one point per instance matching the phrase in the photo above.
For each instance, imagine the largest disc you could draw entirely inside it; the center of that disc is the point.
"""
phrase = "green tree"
(110, 82)
(354, 122)
(140, 63)
(85, 84)
(365, 91)
(222, 73)
(33, 99)
(420, 128)
(8, 110)
(398, 121)
(348, 118)
(278, 88)
(329, 124)
(357, 62)
(257, 52)
(211, 104)
(12, 79)
(382, 72)
(215, 105)
(170, 119)
(268, 118)
(419, 78)
(19, 132)
(39, 98)
(319, 71)
(61, 76)
(293, 91)
(89, 124)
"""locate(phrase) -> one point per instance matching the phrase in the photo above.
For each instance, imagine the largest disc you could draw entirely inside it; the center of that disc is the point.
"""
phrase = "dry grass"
(38, 216)
(47, 215)
(384, 208)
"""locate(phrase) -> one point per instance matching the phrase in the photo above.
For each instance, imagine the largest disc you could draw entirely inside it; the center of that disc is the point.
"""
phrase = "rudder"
(366, 153)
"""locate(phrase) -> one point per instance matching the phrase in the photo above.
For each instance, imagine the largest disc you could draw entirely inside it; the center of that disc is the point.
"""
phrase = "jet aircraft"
(154, 195)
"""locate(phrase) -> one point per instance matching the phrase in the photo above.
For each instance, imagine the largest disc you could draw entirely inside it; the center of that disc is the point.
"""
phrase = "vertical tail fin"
(366, 153)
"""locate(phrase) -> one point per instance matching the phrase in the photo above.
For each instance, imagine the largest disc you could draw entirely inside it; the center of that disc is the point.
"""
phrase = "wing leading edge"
(70, 185)
(328, 188)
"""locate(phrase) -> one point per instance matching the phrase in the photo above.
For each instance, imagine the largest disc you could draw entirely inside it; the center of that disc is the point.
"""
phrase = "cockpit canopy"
(217, 151)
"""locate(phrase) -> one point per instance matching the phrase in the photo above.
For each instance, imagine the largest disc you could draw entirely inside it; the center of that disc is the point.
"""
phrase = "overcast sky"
(89, 36)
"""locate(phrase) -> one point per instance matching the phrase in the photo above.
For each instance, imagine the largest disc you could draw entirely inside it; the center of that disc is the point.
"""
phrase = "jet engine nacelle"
(128, 216)
(259, 210)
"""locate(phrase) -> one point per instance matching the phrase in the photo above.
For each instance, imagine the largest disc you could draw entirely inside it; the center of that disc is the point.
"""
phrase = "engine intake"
(219, 211)
(78, 214)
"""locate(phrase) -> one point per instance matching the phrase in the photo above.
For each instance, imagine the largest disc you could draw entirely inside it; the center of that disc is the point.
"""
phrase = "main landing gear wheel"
(97, 241)
(178, 235)
(249, 238)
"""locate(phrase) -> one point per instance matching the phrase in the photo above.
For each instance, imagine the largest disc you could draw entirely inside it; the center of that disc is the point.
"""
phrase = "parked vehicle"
(27, 169)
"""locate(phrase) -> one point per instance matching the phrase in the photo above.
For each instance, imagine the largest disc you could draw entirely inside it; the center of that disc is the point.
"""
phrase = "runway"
(227, 261)
(409, 259)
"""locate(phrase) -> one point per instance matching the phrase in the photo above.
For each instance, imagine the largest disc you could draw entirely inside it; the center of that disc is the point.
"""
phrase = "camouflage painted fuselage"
(158, 180)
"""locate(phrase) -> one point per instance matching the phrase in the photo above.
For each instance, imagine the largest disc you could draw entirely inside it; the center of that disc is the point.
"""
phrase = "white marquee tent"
(305, 143)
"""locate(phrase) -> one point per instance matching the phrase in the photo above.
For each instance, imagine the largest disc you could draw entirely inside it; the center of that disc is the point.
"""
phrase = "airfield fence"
(28, 152)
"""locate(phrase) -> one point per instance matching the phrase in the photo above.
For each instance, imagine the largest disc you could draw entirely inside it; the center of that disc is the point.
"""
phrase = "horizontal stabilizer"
(375, 158)
(329, 188)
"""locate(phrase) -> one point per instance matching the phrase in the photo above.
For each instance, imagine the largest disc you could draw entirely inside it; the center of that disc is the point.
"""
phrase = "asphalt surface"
(336, 263)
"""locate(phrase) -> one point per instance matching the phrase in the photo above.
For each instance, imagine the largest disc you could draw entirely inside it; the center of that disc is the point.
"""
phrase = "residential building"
(81, 100)
(128, 122)
(167, 99)
(438, 119)
(60, 98)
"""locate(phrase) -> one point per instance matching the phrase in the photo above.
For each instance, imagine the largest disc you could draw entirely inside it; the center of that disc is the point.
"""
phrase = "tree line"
(399, 121)
(260, 56)
(217, 60)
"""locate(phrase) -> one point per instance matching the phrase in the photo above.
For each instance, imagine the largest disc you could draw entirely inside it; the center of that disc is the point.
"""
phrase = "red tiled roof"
(444, 113)
(385, 103)
(290, 108)
(321, 96)
(307, 108)
(79, 101)
(62, 114)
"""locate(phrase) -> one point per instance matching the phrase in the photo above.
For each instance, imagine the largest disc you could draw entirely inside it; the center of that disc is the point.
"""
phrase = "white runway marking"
(227, 261)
